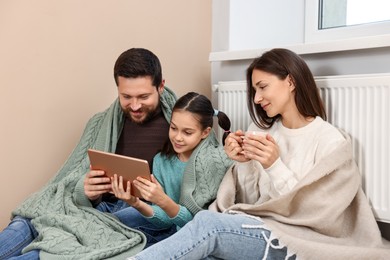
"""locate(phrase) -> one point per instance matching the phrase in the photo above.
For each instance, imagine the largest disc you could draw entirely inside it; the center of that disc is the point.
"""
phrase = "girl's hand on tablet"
(121, 193)
(150, 190)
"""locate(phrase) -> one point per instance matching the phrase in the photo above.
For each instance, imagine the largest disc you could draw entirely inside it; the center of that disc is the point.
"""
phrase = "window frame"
(315, 35)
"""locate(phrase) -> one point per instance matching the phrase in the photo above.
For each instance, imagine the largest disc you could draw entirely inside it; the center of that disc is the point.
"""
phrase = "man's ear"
(161, 87)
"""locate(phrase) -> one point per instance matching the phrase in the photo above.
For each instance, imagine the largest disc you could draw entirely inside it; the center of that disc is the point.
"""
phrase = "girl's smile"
(185, 133)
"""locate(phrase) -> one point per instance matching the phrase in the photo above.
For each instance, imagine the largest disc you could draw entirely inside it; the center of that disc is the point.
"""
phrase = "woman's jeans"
(212, 235)
(18, 234)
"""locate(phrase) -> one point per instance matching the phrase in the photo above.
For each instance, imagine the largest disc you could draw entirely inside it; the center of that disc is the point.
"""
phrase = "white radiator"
(232, 101)
(359, 104)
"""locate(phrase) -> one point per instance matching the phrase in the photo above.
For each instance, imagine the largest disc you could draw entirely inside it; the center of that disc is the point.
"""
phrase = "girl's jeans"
(212, 235)
(132, 218)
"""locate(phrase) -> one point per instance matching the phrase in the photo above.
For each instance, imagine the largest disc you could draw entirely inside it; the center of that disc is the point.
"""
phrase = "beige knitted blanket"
(326, 216)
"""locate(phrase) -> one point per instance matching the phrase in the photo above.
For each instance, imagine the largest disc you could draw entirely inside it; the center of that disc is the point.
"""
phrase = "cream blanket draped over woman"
(325, 216)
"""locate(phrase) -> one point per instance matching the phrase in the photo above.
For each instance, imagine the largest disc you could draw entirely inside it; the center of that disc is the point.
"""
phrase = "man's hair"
(138, 62)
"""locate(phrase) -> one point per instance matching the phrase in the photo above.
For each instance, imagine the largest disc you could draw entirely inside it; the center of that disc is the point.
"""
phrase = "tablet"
(127, 167)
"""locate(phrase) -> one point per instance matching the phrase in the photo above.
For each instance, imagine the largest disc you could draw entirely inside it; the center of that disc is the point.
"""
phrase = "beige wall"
(56, 60)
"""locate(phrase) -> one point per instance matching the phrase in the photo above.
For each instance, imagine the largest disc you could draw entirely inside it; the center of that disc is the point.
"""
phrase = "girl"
(292, 193)
(186, 173)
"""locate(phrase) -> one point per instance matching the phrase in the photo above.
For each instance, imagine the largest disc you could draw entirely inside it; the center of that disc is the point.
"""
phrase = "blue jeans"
(111, 206)
(212, 235)
(18, 234)
(132, 218)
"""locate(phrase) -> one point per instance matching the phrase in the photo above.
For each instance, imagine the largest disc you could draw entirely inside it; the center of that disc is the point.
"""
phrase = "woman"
(292, 193)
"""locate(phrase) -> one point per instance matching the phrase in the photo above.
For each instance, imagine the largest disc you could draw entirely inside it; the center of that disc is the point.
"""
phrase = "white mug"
(255, 133)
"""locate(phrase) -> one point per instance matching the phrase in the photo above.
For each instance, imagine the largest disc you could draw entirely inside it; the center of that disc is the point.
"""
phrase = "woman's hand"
(151, 190)
(233, 146)
(262, 148)
(120, 192)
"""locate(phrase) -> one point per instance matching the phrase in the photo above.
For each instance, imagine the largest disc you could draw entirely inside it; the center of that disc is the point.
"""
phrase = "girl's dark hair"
(283, 63)
(138, 62)
(201, 106)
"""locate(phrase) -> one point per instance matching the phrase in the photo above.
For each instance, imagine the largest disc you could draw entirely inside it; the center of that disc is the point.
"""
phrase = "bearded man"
(61, 220)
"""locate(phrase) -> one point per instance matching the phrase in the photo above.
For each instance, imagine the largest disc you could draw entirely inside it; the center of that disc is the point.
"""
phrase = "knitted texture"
(204, 172)
(68, 226)
(168, 100)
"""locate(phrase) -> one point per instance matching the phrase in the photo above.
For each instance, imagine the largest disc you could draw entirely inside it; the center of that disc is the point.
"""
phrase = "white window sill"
(309, 48)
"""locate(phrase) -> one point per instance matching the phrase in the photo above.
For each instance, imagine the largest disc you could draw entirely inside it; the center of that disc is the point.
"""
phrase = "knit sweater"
(324, 216)
(204, 172)
(299, 150)
(68, 226)
(169, 173)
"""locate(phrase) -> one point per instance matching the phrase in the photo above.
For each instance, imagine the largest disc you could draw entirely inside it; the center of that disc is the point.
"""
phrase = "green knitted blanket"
(203, 174)
(68, 226)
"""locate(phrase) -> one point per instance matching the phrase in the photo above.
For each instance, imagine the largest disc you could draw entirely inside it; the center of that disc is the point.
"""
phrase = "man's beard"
(149, 114)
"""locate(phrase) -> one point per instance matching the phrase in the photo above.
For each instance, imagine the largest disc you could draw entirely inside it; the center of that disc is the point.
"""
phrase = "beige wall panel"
(56, 63)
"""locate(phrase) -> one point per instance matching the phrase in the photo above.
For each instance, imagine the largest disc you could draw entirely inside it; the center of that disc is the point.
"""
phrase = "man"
(60, 218)
(138, 75)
